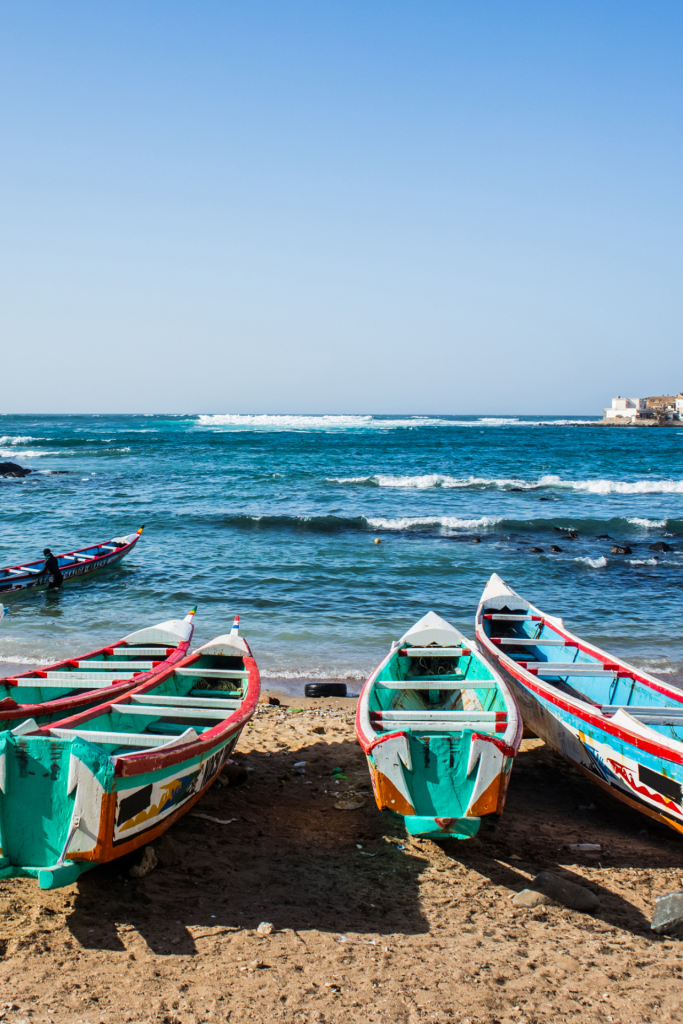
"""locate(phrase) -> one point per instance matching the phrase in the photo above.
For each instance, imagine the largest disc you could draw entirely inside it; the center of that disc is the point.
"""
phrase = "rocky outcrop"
(660, 545)
(620, 549)
(9, 469)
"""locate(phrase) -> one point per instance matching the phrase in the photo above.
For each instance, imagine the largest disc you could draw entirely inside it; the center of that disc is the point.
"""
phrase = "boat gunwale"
(664, 747)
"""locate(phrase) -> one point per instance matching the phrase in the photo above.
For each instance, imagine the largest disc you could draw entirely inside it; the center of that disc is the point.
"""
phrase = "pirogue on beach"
(71, 564)
(440, 729)
(113, 778)
(52, 692)
(619, 726)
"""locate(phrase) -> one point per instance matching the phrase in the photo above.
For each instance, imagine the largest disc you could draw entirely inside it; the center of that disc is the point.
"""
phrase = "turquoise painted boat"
(111, 779)
(440, 729)
(56, 691)
(613, 722)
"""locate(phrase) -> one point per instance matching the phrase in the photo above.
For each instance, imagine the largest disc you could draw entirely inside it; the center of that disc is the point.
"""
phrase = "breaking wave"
(648, 524)
(428, 481)
(446, 522)
(244, 421)
(593, 563)
(328, 422)
(643, 561)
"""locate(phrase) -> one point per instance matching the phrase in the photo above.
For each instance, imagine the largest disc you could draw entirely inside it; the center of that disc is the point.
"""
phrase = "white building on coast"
(648, 411)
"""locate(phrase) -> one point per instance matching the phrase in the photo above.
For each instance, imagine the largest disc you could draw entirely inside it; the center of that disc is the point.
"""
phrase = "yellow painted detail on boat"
(167, 793)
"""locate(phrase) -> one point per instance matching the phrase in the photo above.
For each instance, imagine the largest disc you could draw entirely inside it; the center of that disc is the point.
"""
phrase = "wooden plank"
(213, 673)
(125, 652)
(70, 678)
(170, 711)
(541, 642)
(499, 616)
(121, 739)
(438, 726)
(561, 668)
(440, 715)
(138, 666)
(449, 684)
(191, 702)
(436, 652)
(46, 684)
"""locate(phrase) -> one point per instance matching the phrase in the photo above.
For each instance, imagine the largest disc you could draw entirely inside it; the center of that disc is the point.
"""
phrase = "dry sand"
(368, 925)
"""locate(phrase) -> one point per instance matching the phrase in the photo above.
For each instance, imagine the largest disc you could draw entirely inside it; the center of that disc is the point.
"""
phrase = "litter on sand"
(209, 817)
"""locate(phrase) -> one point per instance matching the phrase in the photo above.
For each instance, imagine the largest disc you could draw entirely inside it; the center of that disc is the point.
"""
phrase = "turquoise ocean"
(275, 518)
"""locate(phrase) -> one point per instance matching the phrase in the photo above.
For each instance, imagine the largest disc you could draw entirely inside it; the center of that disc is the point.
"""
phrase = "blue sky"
(339, 206)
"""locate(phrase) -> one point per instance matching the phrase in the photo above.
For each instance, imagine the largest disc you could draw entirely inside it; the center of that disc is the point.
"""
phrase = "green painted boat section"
(438, 782)
(36, 806)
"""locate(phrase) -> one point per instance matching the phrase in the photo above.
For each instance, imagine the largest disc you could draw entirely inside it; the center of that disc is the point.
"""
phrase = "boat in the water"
(615, 723)
(112, 779)
(71, 564)
(440, 729)
(51, 692)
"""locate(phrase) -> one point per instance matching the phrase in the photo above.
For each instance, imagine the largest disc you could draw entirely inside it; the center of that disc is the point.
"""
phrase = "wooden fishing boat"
(51, 692)
(440, 729)
(113, 778)
(616, 724)
(71, 564)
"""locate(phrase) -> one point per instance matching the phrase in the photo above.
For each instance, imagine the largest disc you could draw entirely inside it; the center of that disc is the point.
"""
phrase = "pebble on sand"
(530, 898)
(576, 897)
(148, 863)
(265, 928)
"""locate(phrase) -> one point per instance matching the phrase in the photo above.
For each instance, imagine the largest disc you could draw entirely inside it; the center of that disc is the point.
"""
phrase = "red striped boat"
(52, 692)
(72, 564)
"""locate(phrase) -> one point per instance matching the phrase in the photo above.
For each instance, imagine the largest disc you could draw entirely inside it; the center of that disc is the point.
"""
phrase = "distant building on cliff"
(647, 412)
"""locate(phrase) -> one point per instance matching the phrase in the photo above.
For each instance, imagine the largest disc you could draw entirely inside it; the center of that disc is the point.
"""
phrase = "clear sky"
(340, 206)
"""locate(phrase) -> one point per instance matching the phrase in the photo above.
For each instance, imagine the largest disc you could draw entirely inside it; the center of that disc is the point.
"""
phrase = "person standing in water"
(52, 566)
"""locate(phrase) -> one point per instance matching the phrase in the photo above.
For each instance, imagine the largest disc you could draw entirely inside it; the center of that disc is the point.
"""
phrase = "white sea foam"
(643, 561)
(331, 673)
(24, 455)
(328, 422)
(615, 486)
(427, 481)
(647, 524)
(430, 480)
(447, 522)
(10, 439)
(17, 659)
(593, 563)
(341, 422)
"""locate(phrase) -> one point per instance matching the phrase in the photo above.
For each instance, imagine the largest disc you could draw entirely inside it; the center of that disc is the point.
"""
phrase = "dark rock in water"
(576, 897)
(11, 469)
(518, 490)
(536, 551)
(660, 546)
(554, 547)
(476, 540)
(668, 916)
(603, 536)
(545, 499)
(620, 549)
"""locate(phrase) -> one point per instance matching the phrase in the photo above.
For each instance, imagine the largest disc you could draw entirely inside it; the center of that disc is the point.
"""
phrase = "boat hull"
(614, 764)
(452, 765)
(39, 581)
(88, 807)
(633, 762)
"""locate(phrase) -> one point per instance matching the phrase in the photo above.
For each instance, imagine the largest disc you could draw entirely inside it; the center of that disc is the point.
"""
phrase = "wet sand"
(368, 924)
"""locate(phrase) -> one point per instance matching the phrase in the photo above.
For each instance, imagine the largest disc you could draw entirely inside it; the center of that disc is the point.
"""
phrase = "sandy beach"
(368, 925)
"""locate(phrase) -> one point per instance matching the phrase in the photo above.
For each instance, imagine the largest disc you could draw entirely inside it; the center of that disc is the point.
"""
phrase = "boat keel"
(441, 828)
